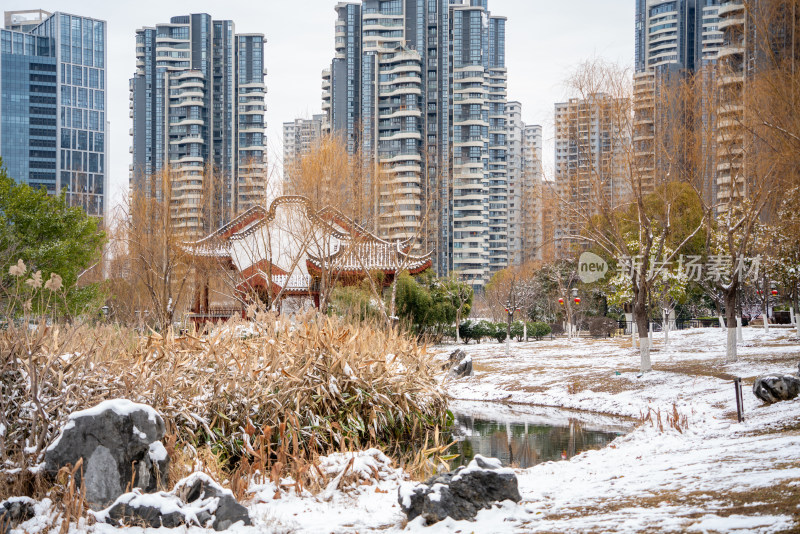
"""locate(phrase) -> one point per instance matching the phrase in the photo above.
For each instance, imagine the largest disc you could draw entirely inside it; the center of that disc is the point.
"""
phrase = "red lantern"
(774, 292)
(577, 300)
(561, 301)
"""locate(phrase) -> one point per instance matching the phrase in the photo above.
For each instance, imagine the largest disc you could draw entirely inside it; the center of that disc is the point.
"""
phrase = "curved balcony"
(390, 92)
(730, 7)
(730, 79)
(188, 93)
(407, 112)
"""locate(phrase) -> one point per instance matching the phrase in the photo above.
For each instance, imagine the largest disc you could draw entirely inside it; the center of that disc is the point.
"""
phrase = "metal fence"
(656, 325)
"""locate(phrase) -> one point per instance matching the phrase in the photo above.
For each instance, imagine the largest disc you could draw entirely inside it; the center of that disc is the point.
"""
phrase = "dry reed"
(261, 397)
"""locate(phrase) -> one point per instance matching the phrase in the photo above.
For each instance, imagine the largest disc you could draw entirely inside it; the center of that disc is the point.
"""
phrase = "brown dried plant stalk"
(265, 400)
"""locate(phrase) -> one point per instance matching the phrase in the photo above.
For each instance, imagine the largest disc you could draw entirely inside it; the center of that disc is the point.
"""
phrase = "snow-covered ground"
(697, 469)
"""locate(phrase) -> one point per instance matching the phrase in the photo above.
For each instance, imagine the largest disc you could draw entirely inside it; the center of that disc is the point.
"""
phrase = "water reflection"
(522, 436)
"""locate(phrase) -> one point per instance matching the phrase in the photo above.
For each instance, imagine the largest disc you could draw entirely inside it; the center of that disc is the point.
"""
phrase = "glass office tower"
(53, 128)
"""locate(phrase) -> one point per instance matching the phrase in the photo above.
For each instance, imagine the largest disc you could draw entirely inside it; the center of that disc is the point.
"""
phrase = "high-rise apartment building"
(591, 146)
(758, 36)
(553, 213)
(730, 182)
(197, 104)
(53, 101)
(524, 187)
(299, 136)
(674, 39)
(714, 41)
(418, 88)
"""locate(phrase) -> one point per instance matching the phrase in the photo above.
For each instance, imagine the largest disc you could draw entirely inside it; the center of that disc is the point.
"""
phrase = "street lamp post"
(577, 301)
(510, 309)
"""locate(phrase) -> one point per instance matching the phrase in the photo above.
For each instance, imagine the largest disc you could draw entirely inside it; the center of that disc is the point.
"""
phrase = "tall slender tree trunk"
(458, 325)
(508, 335)
(730, 313)
(640, 318)
(665, 325)
(794, 307)
(739, 333)
(765, 303)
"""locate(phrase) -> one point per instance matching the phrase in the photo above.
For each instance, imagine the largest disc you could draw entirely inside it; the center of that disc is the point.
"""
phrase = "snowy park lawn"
(712, 475)
(688, 467)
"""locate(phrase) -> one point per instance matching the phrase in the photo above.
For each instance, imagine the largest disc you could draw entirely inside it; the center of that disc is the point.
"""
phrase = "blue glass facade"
(53, 102)
(28, 109)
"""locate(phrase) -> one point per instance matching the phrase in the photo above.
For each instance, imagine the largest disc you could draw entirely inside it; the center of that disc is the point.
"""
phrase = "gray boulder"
(119, 442)
(195, 501)
(775, 388)
(456, 356)
(461, 369)
(144, 510)
(14, 511)
(461, 493)
(200, 488)
(458, 364)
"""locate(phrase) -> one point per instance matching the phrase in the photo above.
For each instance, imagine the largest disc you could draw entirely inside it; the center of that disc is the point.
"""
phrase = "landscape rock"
(14, 511)
(152, 510)
(775, 388)
(195, 501)
(461, 493)
(199, 488)
(119, 442)
(456, 356)
(461, 369)
(459, 364)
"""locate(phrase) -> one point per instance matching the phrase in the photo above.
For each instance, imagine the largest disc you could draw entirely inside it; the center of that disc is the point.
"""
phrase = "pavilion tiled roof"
(372, 255)
(357, 249)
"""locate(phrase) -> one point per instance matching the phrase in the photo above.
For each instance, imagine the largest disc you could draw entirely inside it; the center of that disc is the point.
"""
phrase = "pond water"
(522, 436)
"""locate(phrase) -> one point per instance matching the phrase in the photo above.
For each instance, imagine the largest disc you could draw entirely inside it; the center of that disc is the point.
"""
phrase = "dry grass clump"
(675, 419)
(247, 392)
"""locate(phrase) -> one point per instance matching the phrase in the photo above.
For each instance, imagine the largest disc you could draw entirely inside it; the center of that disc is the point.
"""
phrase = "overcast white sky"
(545, 41)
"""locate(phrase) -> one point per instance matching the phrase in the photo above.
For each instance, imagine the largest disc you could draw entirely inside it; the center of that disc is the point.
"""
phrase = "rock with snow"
(456, 356)
(14, 511)
(461, 493)
(775, 388)
(119, 443)
(200, 490)
(461, 368)
(145, 510)
(195, 501)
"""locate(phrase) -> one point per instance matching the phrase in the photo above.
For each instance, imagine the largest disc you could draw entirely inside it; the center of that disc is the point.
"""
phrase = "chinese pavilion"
(292, 251)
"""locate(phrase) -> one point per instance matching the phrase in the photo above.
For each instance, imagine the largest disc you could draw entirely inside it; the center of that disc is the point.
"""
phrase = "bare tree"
(757, 140)
(626, 207)
(332, 180)
(151, 265)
